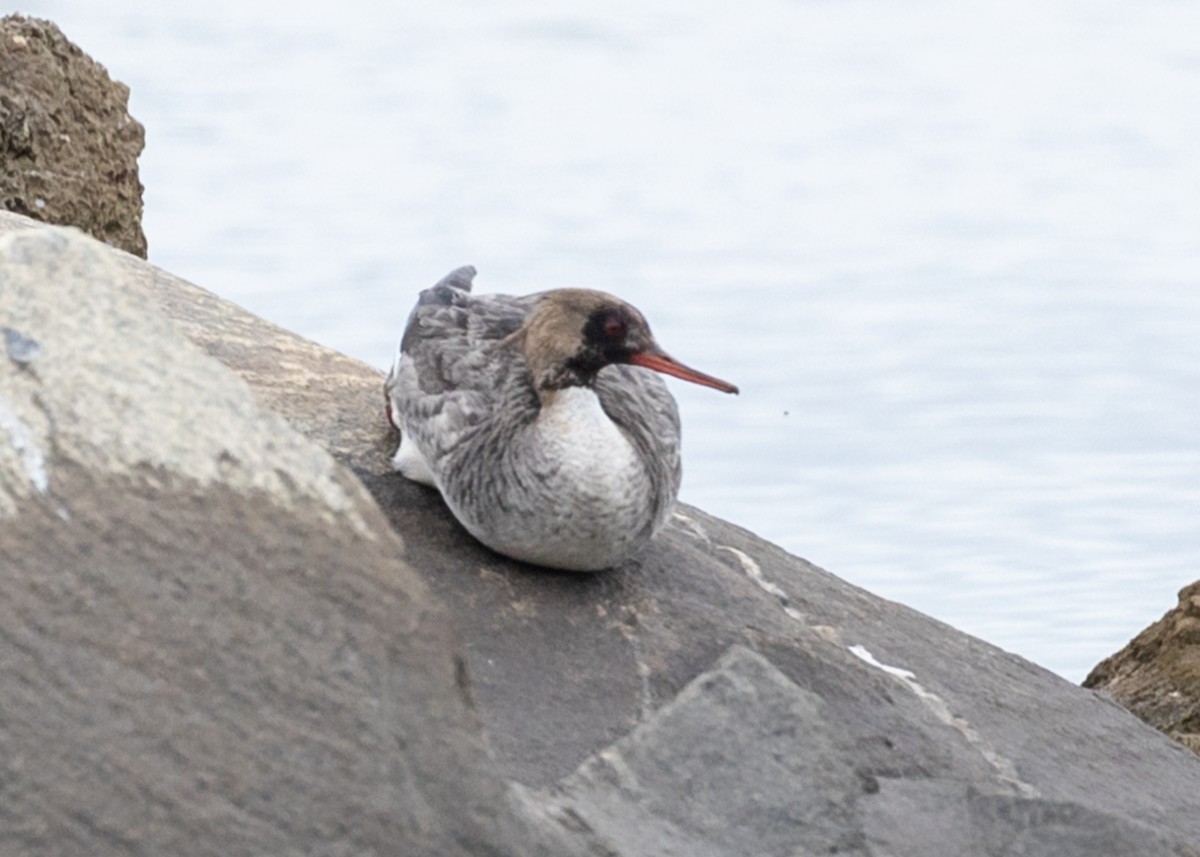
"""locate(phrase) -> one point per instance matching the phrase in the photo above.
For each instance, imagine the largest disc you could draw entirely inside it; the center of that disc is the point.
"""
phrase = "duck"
(542, 420)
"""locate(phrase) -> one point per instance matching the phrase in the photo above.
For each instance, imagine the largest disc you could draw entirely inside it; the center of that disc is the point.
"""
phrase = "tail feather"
(459, 278)
(449, 288)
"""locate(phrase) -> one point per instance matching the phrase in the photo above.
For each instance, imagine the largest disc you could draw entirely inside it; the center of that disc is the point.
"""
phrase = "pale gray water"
(950, 252)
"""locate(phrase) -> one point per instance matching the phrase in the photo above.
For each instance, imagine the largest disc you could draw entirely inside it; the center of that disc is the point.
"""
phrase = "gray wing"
(446, 380)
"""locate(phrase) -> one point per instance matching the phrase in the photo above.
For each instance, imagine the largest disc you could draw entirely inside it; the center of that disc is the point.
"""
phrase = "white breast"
(594, 455)
(581, 500)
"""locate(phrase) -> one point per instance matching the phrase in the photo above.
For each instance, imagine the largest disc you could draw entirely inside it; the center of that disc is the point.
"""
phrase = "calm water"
(951, 253)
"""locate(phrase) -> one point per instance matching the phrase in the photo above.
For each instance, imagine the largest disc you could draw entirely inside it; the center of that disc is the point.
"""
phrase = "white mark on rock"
(622, 773)
(862, 653)
(795, 614)
(829, 634)
(33, 460)
(643, 669)
(1002, 765)
(754, 572)
(693, 527)
(753, 569)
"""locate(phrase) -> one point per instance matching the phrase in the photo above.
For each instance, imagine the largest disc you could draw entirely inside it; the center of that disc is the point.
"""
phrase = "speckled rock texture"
(1157, 676)
(68, 146)
(270, 663)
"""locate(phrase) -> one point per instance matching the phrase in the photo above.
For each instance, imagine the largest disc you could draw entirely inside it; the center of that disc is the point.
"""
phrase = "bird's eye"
(614, 326)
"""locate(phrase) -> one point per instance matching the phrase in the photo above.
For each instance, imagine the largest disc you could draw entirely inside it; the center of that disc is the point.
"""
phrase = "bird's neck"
(566, 399)
(550, 379)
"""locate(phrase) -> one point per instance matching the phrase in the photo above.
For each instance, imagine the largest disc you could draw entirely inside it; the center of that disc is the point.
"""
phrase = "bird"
(541, 419)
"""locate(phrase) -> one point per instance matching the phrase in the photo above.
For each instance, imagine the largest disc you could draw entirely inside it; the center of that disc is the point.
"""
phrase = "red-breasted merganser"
(536, 420)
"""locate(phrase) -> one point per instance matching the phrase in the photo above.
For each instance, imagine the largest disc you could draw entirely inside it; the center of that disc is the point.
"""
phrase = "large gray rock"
(208, 642)
(716, 696)
(801, 785)
(951, 730)
(68, 146)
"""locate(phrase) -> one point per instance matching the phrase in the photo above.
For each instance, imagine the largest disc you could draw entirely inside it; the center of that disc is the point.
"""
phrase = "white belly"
(596, 462)
(574, 493)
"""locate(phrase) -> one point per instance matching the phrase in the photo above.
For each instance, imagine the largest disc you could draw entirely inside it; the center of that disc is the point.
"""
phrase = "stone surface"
(1157, 676)
(716, 696)
(658, 790)
(68, 146)
(800, 787)
(208, 642)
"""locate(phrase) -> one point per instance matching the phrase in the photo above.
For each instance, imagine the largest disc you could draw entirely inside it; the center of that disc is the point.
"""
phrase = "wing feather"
(445, 382)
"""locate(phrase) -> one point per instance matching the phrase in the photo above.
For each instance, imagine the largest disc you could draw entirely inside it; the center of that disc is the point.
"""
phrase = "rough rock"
(68, 146)
(208, 642)
(715, 696)
(1157, 676)
(801, 787)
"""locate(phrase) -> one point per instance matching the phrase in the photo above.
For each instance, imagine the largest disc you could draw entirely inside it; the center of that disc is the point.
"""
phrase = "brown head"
(571, 334)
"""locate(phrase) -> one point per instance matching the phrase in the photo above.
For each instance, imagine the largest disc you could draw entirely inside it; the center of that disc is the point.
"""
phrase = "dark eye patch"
(615, 325)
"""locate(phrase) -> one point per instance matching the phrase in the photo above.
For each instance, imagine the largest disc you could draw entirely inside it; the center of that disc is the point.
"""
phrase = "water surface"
(951, 254)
